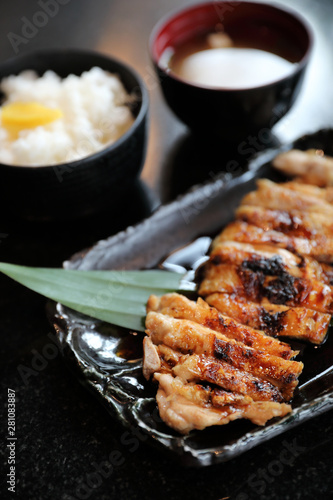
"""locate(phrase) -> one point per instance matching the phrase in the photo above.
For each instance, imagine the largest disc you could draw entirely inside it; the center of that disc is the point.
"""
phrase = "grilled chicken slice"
(268, 275)
(317, 228)
(151, 362)
(296, 223)
(311, 190)
(267, 259)
(220, 397)
(168, 355)
(248, 233)
(189, 337)
(262, 411)
(276, 320)
(209, 369)
(253, 284)
(234, 252)
(180, 412)
(206, 394)
(185, 407)
(312, 168)
(178, 306)
(274, 196)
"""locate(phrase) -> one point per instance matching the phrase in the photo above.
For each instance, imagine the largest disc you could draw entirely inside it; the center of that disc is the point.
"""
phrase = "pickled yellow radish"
(96, 111)
(17, 116)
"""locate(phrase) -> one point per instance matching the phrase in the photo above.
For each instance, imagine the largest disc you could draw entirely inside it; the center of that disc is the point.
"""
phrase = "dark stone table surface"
(64, 437)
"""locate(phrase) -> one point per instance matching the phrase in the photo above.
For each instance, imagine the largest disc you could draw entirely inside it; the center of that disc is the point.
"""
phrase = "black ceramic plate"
(108, 359)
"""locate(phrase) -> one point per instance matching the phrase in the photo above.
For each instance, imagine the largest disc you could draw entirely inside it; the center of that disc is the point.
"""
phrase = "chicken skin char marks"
(268, 275)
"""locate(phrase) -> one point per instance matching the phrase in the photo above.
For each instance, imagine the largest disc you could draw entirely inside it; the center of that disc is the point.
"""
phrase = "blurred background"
(122, 29)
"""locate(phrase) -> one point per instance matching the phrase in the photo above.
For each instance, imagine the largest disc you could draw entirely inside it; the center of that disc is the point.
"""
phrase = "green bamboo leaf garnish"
(118, 297)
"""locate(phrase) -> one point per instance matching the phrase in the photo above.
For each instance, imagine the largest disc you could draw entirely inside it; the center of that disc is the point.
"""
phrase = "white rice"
(94, 115)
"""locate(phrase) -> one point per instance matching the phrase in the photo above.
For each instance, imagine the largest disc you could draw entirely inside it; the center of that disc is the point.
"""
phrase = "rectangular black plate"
(92, 347)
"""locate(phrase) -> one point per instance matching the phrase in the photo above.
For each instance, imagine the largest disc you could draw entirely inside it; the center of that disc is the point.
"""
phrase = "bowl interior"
(251, 24)
(89, 184)
(66, 62)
